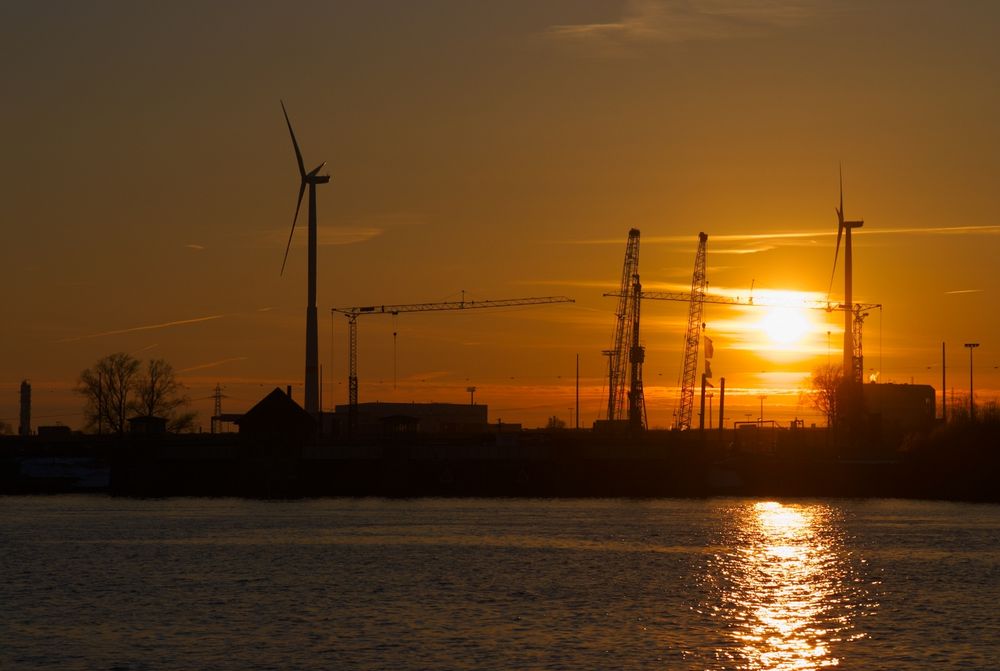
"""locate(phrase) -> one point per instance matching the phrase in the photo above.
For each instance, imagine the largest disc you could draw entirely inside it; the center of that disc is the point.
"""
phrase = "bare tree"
(826, 383)
(158, 393)
(117, 387)
(555, 423)
(107, 388)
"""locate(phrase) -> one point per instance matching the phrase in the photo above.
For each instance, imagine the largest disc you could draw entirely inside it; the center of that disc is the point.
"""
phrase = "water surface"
(102, 583)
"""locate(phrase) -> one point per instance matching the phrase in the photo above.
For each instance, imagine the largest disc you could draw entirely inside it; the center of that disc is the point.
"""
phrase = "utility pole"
(944, 389)
(217, 397)
(577, 391)
(722, 403)
(100, 404)
(701, 415)
(972, 399)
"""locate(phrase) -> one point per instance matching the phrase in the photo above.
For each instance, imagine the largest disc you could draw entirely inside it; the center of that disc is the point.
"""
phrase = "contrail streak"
(148, 327)
(211, 364)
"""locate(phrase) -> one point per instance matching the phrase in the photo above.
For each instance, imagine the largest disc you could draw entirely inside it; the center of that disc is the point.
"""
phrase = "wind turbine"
(312, 336)
(845, 226)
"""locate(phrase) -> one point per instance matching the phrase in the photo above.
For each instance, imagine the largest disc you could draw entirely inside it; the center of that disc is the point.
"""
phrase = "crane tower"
(696, 308)
(352, 314)
(626, 355)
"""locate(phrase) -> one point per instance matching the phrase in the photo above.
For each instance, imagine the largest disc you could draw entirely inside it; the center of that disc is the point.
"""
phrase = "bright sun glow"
(785, 326)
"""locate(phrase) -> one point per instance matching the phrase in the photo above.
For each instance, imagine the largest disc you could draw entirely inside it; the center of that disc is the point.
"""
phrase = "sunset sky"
(504, 149)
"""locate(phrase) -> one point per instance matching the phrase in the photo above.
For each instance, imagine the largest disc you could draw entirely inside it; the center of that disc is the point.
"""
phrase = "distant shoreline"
(960, 465)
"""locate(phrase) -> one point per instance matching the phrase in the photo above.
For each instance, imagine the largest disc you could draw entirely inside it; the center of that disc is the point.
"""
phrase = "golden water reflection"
(789, 592)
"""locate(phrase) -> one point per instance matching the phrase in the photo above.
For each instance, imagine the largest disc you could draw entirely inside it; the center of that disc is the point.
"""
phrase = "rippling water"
(101, 583)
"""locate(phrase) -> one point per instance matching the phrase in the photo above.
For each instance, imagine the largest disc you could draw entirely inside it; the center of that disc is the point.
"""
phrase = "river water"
(91, 582)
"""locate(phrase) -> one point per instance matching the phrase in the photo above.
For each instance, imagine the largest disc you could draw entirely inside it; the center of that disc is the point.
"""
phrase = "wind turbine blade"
(302, 190)
(317, 169)
(840, 229)
(836, 251)
(298, 154)
(840, 212)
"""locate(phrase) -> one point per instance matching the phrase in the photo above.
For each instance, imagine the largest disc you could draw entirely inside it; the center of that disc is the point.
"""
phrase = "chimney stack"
(24, 429)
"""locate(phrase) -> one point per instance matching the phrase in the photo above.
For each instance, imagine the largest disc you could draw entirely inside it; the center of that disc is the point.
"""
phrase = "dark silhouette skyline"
(503, 149)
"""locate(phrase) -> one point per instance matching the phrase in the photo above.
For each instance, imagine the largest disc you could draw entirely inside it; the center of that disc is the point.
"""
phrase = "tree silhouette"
(107, 387)
(826, 383)
(116, 388)
(159, 394)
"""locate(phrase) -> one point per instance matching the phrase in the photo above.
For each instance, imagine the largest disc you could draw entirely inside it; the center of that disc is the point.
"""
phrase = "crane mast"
(636, 357)
(859, 312)
(352, 314)
(692, 336)
(625, 353)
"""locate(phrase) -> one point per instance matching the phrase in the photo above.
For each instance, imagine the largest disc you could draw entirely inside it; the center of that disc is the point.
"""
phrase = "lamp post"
(761, 419)
(972, 401)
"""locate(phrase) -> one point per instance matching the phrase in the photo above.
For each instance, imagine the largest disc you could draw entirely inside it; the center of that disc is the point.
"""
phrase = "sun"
(785, 325)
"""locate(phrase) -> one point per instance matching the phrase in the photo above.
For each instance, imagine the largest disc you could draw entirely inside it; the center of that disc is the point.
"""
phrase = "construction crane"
(352, 314)
(625, 353)
(859, 311)
(630, 298)
(692, 337)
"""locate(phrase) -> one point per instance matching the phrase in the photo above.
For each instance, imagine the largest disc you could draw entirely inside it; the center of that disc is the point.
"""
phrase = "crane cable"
(394, 332)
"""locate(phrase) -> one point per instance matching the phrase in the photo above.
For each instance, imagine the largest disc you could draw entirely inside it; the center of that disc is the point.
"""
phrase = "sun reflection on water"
(789, 593)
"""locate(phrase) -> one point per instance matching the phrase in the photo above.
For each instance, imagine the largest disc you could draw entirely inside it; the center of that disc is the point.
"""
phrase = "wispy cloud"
(965, 291)
(664, 21)
(194, 247)
(779, 237)
(211, 364)
(147, 327)
(582, 284)
(746, 250)
(343, 235)
(359, 229)
(937, 230)
(326, 236)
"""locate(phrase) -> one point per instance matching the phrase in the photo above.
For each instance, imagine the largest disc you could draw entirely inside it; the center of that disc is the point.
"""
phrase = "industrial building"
(427, 418)
(900, 409)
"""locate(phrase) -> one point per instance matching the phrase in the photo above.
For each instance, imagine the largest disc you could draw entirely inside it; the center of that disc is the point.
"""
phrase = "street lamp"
(972, 402)
(761, 419)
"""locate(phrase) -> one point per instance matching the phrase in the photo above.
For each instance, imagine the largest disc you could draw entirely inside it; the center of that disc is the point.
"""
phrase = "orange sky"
(503, 148)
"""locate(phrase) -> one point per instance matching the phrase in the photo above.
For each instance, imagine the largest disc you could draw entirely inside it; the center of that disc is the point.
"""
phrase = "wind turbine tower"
(852, 365)
(312, 330)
